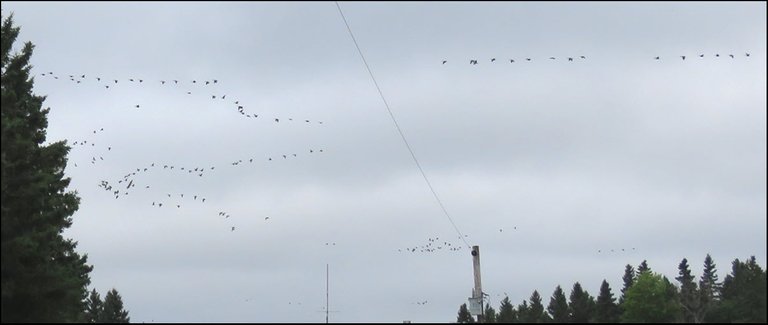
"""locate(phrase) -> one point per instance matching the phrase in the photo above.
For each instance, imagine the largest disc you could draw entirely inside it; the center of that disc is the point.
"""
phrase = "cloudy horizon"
(541, 163)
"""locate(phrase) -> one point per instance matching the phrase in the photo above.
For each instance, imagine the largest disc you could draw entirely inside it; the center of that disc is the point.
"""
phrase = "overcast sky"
(541, 163)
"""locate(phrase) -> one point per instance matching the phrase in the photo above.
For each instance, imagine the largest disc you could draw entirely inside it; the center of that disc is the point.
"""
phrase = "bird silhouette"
(233, 228)
(551, 57)
(494, 59)
(657, 58)
(683, 56)
(512, 60)
(444, 61)
(747, 54)
(731, 55)
(583, 57)
(570, 59)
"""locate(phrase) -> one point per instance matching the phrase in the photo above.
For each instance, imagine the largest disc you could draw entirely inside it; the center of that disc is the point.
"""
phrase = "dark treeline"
(647, 296)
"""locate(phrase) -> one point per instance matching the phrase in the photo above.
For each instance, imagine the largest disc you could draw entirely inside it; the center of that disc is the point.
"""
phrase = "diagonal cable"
(413, 155)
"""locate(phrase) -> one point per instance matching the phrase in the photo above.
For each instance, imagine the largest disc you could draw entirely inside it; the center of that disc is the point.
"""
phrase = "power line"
(413, 155)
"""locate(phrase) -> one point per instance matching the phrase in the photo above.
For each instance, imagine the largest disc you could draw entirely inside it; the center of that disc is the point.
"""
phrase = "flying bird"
(731, 55)
(512, 60)
(444, 61)
(570, 59)
(657, 58)
(683, 56)
(494, 59)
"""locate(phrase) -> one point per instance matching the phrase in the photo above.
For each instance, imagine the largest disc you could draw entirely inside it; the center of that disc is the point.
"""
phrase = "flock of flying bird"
(582, 57)
(123, 186)
(81, 78)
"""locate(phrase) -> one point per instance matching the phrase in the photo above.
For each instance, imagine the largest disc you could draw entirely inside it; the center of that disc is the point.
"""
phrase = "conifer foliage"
(43, 278)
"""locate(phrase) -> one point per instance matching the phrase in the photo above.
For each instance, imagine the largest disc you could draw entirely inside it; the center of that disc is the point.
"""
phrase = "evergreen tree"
(94, 307)
(580, 306)
(464, 315)
(113, 309)
(648, 300)
(629, 279)
(709, 288)
(643, 267)
(522, 312)
(43, 278)
(489, 314)
(689, 294)
(606, 310)
(744, 294)
(536, 312)
(558, 306)
(507, 313)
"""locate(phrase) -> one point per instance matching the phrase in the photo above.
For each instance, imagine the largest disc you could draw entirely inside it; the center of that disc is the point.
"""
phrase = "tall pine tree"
(94, 307)
(558, 306)
(536, 312)
(489, 314)
(113, 309)
(43, 278)
(643, 267)
(507, 313)
(629, 279)
(709, 288)
(689, 294)
(581, 305)
(522, 312)
(606, 310)
(464, 316)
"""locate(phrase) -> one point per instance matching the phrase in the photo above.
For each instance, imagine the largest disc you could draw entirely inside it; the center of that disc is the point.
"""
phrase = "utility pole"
(478, 290)
(327, 310)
